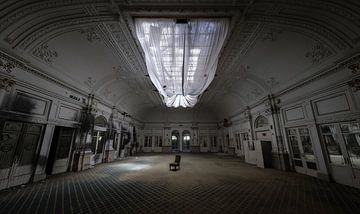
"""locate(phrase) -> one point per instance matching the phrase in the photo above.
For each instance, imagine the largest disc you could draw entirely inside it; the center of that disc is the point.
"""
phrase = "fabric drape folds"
(181, 58)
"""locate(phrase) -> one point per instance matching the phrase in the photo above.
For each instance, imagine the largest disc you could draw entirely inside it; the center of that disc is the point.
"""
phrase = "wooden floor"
(204, 184)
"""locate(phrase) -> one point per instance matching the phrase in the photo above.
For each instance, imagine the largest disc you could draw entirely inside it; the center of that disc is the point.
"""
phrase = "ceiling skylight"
(181, 57)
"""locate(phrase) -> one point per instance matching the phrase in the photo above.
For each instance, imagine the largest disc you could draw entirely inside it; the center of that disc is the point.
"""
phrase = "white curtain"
(181, 58)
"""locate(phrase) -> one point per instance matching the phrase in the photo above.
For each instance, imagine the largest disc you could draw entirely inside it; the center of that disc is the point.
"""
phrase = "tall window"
(238, 141)
(203, 141)
(158, 141)
(245, 136)
(213, 141)
(148, 141)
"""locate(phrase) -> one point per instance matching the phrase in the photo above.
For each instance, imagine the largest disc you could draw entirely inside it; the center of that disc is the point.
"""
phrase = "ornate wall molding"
(25, 67)
(324, 73)
(6, 83)
(355, 84)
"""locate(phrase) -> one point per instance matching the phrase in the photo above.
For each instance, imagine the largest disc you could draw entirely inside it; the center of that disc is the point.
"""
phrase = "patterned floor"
(204, 184)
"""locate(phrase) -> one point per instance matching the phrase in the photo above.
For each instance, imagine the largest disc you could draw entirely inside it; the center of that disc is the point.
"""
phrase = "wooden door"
(19, 144)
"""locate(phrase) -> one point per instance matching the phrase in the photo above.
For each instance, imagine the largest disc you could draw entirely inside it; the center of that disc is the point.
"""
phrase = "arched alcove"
(100, 121)
(261, 122)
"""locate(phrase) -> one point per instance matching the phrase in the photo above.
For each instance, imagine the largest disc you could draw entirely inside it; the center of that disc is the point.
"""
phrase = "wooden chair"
(176, 163)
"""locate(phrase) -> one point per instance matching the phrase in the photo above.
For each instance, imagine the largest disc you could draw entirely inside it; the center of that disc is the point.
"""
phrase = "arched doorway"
(175, 141)
(186, 141)
(99, 138)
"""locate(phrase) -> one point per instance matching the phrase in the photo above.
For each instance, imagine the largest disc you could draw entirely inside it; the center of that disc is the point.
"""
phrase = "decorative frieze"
(44, 53)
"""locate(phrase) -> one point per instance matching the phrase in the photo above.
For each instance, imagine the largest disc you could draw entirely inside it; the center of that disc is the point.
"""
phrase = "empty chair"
(176, 164)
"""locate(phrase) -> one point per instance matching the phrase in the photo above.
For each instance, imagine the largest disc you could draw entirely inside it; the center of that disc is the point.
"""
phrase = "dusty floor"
(204, 184)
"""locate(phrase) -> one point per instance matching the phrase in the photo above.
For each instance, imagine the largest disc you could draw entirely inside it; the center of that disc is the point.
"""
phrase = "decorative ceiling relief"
(109, 94)
(318, 52)
(256, 92)
(238, 45)
(6, 66)
(90, 82)
(121, 73)
(126, 47)
(279, 40)
(272, 82)
(43, 52)
(272, 35)
(91, 35)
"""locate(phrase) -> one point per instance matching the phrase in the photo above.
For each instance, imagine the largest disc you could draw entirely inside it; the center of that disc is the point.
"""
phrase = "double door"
(302, 150)
(19, 144)
(342, 144)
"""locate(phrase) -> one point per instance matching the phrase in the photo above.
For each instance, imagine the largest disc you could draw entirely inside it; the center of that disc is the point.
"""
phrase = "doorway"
(175, 141)
(186, 146)
(19, 147)
(302, 149)
(342, 144)
(58, 160)
(97, 145)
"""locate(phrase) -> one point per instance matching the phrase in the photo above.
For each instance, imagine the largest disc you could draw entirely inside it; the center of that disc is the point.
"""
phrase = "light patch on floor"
(204, 184)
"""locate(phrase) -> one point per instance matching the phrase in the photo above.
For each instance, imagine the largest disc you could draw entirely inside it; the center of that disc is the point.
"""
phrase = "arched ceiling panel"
(91, 45)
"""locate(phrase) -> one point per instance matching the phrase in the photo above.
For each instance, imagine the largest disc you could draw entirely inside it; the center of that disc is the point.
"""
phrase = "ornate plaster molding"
(25, 67)
(47, 30)
(43, 52)
(355, 84)
(6, 66)
(6, 83)
(90, 82)
(354, 67)
(91, 35)
(272, 35)
(318, 52)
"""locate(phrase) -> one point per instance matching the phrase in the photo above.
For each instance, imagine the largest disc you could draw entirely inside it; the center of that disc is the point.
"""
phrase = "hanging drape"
(181, 58)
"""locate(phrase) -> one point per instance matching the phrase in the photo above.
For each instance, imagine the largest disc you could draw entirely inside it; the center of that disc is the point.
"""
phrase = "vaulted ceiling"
(91, 45)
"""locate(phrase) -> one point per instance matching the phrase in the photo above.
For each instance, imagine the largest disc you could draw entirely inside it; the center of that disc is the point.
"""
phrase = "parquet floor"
(204, 184)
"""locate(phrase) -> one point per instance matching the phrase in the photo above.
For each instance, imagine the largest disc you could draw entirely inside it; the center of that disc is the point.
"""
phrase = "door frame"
(344, 174)
(304, 169)
(55, 143)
